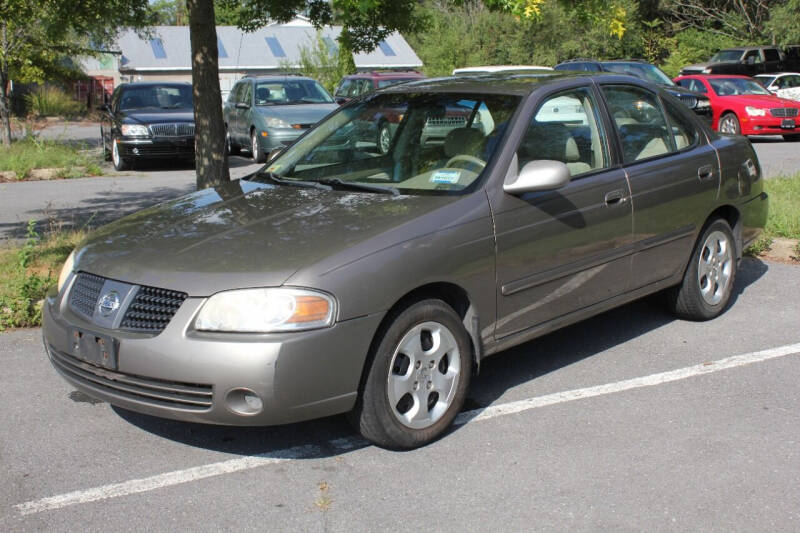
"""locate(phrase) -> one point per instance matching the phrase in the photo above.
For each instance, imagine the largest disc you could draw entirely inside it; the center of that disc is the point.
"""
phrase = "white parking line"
(178, 477)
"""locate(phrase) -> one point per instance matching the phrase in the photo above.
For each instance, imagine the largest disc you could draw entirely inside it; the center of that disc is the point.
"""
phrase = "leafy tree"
(326, 66)
(784, 22)
(36, 36)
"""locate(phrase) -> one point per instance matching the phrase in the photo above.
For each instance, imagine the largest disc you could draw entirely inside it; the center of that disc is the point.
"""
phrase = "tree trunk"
(5, 104)
(211, 158)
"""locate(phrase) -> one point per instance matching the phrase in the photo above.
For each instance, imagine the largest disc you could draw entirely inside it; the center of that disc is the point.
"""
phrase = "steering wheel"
(467, 158)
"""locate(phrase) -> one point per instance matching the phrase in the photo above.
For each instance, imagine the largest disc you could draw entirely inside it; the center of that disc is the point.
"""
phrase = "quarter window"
(640, 122)
(566, 128)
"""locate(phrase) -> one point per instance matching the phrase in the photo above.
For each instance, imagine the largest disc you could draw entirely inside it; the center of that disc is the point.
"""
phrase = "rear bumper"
(754, 218)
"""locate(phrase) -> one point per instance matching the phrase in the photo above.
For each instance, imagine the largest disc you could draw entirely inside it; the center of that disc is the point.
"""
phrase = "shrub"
(53, 102)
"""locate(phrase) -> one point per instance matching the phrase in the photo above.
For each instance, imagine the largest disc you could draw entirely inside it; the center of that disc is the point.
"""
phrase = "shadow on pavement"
(498, 374)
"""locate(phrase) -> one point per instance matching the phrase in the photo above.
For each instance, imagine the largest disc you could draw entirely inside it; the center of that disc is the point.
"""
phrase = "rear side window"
(640, 122)
(566, 128)
(684, 132)
(771, 54)
(343, 88)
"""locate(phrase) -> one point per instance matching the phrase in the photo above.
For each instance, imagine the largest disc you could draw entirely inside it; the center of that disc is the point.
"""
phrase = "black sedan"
(148, 121)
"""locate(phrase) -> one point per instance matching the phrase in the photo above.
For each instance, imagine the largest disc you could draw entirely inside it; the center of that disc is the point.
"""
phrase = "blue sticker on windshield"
(446, 176)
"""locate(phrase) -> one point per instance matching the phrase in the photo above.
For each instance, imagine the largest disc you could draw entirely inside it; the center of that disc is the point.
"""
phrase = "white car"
(783, 84)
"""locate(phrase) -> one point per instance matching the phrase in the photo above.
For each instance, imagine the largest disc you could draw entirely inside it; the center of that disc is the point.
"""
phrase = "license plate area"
(94, 348)
(787, 124)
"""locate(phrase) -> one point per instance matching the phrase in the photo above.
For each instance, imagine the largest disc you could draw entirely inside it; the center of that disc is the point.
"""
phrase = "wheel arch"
(733, 217)
(453, 295)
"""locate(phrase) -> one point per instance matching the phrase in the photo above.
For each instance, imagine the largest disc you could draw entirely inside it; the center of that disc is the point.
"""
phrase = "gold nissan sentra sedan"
(342, 278)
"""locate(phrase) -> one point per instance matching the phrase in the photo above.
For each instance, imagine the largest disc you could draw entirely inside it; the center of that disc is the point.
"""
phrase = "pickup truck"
(748, 61)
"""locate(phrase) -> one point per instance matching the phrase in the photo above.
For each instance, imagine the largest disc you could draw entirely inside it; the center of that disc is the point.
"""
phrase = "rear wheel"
(120, 163)
(255, 149)
(729, 124)
(792, 138)
(708, 282)
(418, 378)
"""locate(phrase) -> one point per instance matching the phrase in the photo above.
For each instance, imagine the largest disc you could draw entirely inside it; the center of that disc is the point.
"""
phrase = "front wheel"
(729, 124)
(418, 378)
(384, 138)
(708, 281)
(104, 144)
(233, 148)
(258, 155)
(119, 162)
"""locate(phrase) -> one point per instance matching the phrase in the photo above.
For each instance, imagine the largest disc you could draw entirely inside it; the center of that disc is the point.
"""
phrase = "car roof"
(156, 84)
(498, 68)
(276, 77)
(778, 74)
(390, 74)
(714, 76)
(507, 82)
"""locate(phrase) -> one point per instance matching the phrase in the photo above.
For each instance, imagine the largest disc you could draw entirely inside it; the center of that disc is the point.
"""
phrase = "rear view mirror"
(541, 175)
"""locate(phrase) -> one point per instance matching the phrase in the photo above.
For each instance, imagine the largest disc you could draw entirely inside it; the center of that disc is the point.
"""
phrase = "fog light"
(244, 402)
(135, 151)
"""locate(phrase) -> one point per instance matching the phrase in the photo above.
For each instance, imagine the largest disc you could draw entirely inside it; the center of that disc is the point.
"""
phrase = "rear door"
(673, 174)
(559, 251)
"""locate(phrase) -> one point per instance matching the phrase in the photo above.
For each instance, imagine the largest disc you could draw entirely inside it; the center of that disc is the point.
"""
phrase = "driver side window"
(566, 128)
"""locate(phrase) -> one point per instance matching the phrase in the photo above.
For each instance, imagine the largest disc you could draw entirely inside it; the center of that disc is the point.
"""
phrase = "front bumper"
(201, 377)
(171, 147)
(277, 138)
(769, 126)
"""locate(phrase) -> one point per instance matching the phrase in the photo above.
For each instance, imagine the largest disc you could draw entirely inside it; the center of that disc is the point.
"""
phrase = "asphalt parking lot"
(631, 420)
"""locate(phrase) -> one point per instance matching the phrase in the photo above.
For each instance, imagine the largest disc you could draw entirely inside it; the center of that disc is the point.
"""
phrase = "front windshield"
(736, 86)
(290, 92)
(411, 143)
(726, 55)
(163, 97)
(640, 70)
(766, 81)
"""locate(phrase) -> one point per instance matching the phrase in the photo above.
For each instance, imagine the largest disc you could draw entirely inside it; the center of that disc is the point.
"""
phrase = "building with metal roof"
(274, 48)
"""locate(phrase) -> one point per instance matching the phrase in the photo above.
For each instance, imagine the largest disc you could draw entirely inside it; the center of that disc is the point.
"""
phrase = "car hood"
(157, 116)
(764, 100)
(246, 234)
(298, 114)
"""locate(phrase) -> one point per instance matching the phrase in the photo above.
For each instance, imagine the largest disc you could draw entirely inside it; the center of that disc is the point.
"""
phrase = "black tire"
(233, 148)
(729, 118)
(374, 416)
(384, 139)
(120, 163)
(106, 149)
(687, 300)
(258, 155)
(792, 138)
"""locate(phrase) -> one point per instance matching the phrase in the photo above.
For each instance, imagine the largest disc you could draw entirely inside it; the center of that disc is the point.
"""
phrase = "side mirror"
(341, 100)
(242, 105)
(541, 175)
(105, 108)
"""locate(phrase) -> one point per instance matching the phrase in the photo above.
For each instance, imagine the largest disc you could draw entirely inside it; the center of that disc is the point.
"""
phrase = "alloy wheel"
(714, 267)
(423, 375)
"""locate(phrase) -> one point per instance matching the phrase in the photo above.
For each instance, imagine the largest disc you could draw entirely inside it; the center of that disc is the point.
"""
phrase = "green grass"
(29, 153)
(53, 102)
(27, 271)
(784, 213)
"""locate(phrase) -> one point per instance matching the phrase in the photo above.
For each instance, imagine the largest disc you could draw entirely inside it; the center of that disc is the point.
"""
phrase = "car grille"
(152, 309)
(179, 129)
(85, 292)
(188, 396)
(453, 122)
(783, 112)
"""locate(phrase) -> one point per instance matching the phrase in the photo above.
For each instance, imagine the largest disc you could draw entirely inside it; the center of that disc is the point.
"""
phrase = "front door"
(562, 250)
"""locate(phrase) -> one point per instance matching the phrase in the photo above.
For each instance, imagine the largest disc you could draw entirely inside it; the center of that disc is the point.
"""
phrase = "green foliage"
(784, 212)
(784, 22)
(30, 153)
(27, 272)
(694, 46)
(324, 65)
(53, 102)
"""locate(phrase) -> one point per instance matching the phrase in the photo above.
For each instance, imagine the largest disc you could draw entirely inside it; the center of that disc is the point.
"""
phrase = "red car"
(742, 105)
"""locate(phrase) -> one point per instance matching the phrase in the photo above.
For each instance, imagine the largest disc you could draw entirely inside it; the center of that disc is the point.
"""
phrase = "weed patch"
(31, 153)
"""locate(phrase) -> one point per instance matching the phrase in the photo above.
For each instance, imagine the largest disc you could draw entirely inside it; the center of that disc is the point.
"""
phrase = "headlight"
(275, 122)
(135, 130)
(266, 311)
(66, 270)
(703, 104)
(755, 111)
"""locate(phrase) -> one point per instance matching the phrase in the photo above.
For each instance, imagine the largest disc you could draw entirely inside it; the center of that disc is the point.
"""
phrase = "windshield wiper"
(338, 182)
(295, 183)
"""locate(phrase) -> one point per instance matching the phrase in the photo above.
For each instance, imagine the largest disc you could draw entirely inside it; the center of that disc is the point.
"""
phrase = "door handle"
(705, 172)
(616, 197)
